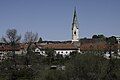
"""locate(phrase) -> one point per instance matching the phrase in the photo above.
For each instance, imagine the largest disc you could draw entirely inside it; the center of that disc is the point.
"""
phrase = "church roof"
(60, 46)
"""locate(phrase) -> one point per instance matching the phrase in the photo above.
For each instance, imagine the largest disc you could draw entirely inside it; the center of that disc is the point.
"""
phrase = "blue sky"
(52, 19)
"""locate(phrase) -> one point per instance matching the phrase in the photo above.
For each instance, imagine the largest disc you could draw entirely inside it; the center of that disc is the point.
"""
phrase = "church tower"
(75, 30)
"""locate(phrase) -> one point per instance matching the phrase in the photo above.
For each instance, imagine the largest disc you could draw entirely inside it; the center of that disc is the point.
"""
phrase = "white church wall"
(63, 52)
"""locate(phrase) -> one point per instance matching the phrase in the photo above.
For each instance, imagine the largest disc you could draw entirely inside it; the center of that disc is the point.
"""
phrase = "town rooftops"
(9, 48)
(59, 46)
(100, 46)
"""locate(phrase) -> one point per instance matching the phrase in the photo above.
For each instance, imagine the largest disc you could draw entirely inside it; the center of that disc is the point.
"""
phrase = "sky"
(52, 19)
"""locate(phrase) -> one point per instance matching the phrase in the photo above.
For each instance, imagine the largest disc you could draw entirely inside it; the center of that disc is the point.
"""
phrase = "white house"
(60, 48)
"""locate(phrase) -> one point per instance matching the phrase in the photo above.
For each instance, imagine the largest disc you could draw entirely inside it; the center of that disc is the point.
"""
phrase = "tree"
(74, 53)
(110, 75)
(50, 55)
(13, 39)
(111, 41)
(94, 37)
(101, 36)
(40, 40)
(30, 38)
(86, 67)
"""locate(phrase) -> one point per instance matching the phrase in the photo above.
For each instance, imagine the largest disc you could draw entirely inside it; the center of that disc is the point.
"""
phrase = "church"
(77, 44)
(64, 48)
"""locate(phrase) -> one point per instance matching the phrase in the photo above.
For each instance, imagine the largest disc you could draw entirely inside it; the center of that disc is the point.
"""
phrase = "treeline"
(33, 66)
(99, 38)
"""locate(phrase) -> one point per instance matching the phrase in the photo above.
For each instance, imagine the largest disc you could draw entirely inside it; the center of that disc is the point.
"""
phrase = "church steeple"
(75, 31)
(75, 16)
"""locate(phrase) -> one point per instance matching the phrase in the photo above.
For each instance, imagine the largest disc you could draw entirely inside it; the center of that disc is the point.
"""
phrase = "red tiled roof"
(8, 48)
(60, 46)
(101, 46)
(93, 47)
(97, 47)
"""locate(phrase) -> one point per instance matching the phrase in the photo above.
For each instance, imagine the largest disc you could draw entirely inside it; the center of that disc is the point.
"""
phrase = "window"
(75, 32)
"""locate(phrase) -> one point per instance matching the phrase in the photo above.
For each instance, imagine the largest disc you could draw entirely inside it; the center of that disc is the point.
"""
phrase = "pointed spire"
(75, 30)
(75, 17)
(75, 14)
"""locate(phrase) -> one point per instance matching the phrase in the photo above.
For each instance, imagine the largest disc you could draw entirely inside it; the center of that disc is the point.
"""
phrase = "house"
(61, 48)
(6, 49)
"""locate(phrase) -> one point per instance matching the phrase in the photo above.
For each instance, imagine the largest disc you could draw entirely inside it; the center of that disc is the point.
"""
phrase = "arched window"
(75, 33)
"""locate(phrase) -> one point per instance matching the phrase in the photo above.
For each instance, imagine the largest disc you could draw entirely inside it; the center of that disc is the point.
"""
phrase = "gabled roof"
(59, 46)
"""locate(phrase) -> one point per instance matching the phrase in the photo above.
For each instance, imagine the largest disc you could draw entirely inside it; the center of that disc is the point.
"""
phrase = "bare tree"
(30, 38)
(12, 38)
